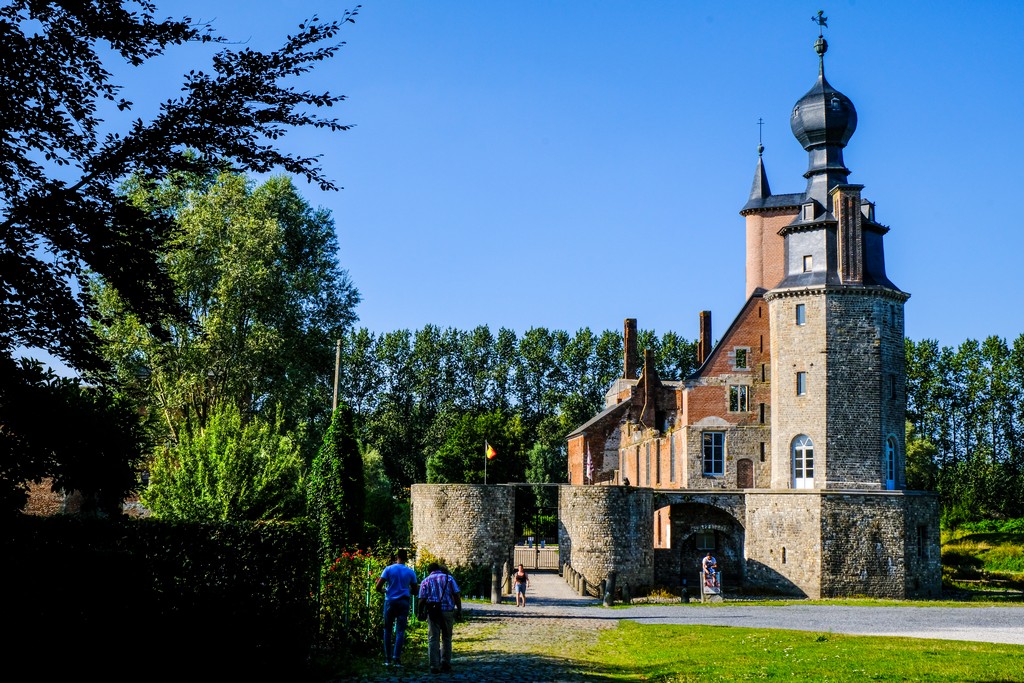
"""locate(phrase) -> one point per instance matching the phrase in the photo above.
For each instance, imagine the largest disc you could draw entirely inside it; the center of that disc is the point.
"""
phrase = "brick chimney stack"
(629, 349)
(704, 343)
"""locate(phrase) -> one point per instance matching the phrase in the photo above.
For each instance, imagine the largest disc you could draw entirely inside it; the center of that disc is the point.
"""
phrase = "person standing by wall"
(439, 588)
(522, 580)
(397, 582)
(709, 565)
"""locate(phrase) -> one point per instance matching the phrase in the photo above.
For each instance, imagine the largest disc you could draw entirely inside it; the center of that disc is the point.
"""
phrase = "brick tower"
(836, 321)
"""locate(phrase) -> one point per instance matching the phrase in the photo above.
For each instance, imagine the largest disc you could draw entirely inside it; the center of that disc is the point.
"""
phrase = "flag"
(590, 465)
(489, 451)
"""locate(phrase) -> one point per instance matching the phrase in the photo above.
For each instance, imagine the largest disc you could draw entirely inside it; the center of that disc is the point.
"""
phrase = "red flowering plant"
(351, 610)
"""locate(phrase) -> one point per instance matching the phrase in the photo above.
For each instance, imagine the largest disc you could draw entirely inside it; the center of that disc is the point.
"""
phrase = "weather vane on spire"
(821, 20)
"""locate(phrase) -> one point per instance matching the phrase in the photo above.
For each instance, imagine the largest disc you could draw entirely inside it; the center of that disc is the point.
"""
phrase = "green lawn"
(672, 654)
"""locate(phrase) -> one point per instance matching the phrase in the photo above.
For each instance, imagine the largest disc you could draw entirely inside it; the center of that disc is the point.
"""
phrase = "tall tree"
(60, 163)
(64, 152)
(255, 270)
(336, 487)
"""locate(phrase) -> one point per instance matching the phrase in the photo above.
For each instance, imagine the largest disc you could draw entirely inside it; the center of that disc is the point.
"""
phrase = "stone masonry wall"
(783, 543)
(464, 524)
(797, 348)
(605, 528)
(923, 545)
(853, 452)
(863, 549)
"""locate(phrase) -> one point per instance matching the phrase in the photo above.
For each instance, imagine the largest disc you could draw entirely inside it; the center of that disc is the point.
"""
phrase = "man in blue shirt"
(440, 586)
(397, 582)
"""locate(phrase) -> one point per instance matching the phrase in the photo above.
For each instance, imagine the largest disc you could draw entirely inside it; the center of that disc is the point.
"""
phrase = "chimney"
(629, 349)
(650, 383)
(704, 343)
(847, 202)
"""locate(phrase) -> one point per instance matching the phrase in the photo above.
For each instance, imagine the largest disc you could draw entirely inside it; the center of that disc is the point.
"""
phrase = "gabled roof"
(756, 294)
(604, 414)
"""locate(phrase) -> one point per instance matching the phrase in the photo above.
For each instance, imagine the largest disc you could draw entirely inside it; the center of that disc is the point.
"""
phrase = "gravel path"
(509, 643)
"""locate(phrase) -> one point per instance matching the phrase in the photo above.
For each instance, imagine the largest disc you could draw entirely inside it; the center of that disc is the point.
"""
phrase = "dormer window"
(808, 263)
(835, 103)
(808, 212)
(867, 209)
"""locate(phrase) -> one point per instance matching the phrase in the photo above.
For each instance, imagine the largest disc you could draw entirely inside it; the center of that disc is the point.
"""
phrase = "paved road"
(551, 596)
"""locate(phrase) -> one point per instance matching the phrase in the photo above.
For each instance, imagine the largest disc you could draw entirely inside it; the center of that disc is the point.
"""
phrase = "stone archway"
(695, 529)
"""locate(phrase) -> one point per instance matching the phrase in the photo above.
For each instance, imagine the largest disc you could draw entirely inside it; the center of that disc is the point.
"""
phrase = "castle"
(799, 408)
(783, 454)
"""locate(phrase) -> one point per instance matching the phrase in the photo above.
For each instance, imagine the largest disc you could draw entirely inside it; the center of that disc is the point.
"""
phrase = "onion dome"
(823, 121)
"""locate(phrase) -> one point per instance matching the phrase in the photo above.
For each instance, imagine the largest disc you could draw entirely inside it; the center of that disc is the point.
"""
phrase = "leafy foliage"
(228, 470)
(335, 489)
(61, 212)
(255, 271)
(68, 144)
(411, 389)
(96, 450)
(966, 405)
(460, 458)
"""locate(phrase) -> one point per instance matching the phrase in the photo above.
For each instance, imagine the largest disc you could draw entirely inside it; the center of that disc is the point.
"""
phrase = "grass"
(674, 654)
(983, 559)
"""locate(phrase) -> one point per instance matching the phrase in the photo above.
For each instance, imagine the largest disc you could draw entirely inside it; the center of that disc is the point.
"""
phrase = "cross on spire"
(760, 142)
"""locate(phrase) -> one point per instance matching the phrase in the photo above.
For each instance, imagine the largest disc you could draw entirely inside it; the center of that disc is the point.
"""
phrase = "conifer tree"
(336, 488)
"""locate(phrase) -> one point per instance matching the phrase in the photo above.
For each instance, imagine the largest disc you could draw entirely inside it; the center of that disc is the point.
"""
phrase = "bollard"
(495, 584)
(583, 586)
(626, 598)
(685, 593)
(609, 593)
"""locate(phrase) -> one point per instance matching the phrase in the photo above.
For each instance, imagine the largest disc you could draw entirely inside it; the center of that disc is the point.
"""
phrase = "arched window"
(890, 463)
(803, 462)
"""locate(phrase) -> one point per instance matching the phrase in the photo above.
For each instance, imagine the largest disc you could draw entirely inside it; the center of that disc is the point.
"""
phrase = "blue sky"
(570, 164)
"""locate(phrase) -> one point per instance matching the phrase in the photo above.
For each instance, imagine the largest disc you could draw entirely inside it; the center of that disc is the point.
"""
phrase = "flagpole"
(485, 462)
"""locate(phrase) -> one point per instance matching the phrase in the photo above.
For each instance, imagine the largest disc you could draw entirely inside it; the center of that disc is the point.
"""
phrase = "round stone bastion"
(463, 524)
(607, 528)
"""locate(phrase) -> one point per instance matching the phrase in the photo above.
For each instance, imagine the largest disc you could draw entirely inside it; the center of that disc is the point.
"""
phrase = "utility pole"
(337, 371)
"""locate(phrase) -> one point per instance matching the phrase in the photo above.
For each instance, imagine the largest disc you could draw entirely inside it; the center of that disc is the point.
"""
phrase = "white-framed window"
(739, 398)
(803, 462)
(808, 211)
(705, 540)
(714, 453)
(890, 463)
(808, 263)
(801, 383)
(801, 314)
(741, 357)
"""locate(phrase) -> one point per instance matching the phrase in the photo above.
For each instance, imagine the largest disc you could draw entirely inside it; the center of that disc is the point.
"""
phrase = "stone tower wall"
(894, 361)
(464, 524)
(797, 348)
(606, 528)
(853, 451)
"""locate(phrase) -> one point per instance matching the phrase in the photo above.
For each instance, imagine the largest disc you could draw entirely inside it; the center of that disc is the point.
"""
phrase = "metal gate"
(535, 557)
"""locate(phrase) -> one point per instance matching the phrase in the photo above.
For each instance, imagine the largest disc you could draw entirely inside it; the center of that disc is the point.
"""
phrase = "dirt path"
(508, 643)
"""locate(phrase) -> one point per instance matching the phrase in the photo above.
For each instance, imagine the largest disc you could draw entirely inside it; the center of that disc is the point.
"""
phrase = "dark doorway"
(744, 474)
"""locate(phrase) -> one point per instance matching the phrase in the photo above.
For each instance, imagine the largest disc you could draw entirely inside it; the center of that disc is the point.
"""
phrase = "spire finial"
(821, 45)
(760, 144)
(821, 20)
